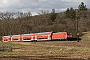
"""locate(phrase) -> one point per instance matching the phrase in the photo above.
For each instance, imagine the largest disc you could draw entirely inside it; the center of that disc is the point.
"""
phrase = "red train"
(38, 36)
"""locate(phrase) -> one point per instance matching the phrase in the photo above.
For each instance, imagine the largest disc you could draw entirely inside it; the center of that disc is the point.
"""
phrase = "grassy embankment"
(60, 48)
(86, 36)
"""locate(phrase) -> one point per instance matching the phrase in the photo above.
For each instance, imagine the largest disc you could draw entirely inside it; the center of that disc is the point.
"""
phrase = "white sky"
(35, 6)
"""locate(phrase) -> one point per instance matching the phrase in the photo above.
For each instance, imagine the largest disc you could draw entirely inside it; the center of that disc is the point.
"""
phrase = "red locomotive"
(38, 36)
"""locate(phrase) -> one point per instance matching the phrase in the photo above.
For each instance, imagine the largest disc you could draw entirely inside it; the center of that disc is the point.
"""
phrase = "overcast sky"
(35, 6)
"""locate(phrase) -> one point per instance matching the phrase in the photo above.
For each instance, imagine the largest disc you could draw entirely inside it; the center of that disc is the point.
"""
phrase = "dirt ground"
(47, 50)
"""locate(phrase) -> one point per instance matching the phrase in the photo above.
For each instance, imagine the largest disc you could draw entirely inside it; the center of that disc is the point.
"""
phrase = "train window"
(26, 34)
(5, 36)
(69, 33)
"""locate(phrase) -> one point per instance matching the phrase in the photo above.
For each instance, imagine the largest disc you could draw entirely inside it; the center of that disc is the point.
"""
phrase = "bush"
(6, 48)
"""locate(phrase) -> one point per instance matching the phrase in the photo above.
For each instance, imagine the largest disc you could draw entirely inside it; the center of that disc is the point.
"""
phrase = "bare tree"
(6, 15)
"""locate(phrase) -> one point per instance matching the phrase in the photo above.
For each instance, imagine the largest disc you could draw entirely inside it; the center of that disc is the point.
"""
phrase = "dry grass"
(65, 48)
(58, 50)
(86, 36)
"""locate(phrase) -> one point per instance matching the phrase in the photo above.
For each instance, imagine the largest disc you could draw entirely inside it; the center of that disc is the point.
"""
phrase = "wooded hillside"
(63, 21)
